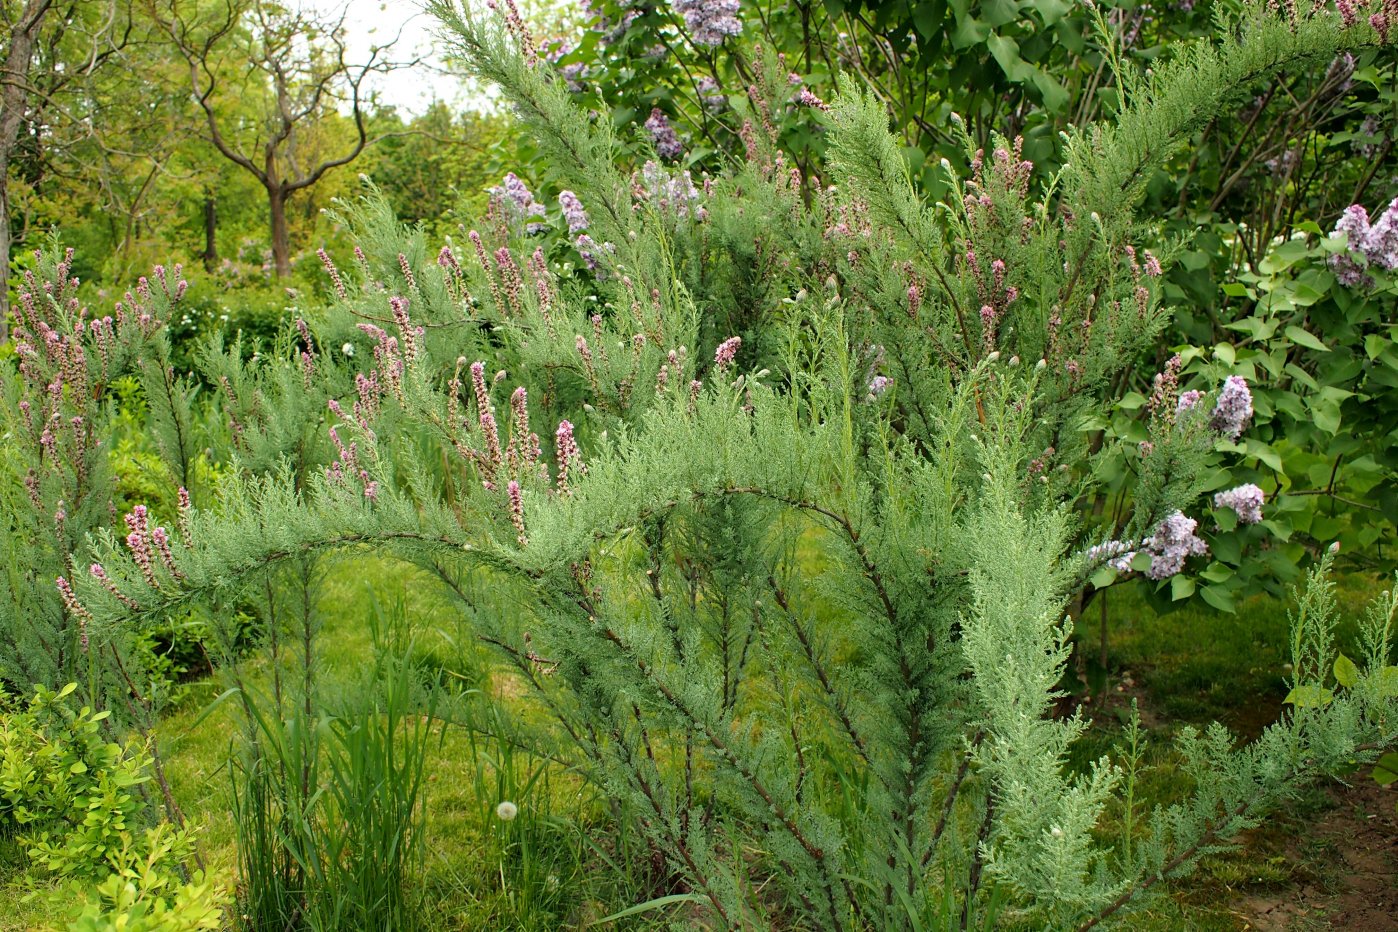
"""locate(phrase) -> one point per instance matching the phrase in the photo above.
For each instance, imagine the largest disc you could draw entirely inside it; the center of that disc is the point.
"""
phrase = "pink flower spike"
(517, 511)
(569, 456)
(727, 351)
(75, 608)
(162, 546)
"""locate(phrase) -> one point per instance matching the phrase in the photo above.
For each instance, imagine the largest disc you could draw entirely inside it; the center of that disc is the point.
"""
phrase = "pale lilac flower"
(878, 385)
(1188, 400)
(666, 190)
(517, 191)
(592, 253)
(1246, 500)
(667, 142)
(518, 201)
(1116, 553)
(1369, 244)
(1233, 410)
(1174, 540)
(573, 76)
(573, 211)
(711, 95)
(710, 21)
(1369, 129)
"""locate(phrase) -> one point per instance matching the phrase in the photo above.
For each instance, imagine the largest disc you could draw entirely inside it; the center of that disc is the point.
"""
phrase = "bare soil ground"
(1344, 868)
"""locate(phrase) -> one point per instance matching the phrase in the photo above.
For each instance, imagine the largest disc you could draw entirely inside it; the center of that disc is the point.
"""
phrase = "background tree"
(297, 67)
(13, 95)
(52, 49)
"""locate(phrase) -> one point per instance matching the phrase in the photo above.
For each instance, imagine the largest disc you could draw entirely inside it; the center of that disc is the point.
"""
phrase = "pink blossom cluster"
(388, 357)
(569, 456)
(335, 280)
(727, 351)
(492, 459)
(1165, 389)
(511, 279)
(347, 464)
(75, 608)
(523, 451)
(516, 498)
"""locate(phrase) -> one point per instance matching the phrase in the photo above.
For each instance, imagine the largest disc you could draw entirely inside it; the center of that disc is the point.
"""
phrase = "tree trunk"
(210, 228)
(281, 245)
(5, 244)
(14, 81)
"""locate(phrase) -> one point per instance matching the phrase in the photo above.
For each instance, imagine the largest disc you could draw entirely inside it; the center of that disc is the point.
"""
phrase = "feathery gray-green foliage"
(789, 607)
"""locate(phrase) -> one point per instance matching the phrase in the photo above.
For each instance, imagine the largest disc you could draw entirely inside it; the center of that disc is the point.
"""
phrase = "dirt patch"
(1346, 866)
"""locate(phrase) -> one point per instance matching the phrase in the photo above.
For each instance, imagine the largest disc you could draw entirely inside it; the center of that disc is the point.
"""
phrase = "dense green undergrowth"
(561, 863)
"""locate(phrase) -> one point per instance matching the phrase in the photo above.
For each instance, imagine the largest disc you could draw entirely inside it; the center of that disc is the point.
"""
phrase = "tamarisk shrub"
(59, 417)
(791, 580)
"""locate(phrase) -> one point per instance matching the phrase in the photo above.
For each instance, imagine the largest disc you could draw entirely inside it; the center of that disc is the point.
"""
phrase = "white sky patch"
(375, 22)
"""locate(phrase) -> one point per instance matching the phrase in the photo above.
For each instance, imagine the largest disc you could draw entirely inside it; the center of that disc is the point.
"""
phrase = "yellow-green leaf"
(1386, 769)
(1309, 697)
(1346, 673)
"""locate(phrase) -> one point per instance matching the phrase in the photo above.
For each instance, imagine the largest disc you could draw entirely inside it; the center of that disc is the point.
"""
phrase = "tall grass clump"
(327, 796)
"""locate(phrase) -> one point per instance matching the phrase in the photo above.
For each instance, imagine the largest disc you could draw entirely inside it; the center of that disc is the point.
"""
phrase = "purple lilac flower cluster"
(711, 95)
(1234, 408)
(593, 255)
(1246, 500)
(1117, 553)
(1173, 541)
(673, 191)
(1370, 244)
(667, 141)
(710, 21)
(573, 212)
(518, 201)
